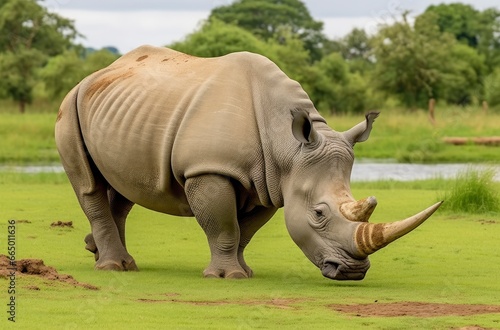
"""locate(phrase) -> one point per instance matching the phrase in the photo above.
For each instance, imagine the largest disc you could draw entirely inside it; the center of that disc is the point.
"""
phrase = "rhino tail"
(71, 145)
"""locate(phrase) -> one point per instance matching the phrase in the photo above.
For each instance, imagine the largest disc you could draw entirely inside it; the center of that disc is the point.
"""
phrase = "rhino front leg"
(213, 201)
(249, 224)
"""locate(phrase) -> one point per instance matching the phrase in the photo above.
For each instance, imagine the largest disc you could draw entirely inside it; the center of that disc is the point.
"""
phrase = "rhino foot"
(116, 266)
(127, 263)
(220, 273)
(249, 271)
(91, 246)
(245, 267)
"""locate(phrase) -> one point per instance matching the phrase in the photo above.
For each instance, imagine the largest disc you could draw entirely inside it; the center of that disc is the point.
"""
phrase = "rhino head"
(321, 215)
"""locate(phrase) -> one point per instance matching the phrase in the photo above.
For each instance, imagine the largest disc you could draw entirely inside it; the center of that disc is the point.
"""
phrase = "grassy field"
(451, 259)
(409, 137)
(397, 135)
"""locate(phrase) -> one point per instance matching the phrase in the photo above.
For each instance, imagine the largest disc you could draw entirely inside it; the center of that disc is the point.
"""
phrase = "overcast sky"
(127, 24)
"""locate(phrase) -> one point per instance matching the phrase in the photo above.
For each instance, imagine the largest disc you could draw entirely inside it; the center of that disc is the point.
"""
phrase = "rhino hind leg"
(90, 188)
(120, 208)
(213, 201)
(105, 239)
(91, 246)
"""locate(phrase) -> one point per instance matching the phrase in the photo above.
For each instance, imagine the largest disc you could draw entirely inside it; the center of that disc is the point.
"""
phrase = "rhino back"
(156, 117)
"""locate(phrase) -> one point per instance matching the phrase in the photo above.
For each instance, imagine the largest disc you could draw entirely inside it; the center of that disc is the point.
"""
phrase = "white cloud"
(337, 27)
(123, 25)
(127, 30)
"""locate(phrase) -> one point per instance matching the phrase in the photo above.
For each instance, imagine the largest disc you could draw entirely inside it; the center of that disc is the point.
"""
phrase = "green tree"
(355, 45)
(492, 89)
(264, 18)
(411, 60)
(489, 41)
(459, 19)
(461, 76)
(216, 38)
(289, 52)
(30, 34)
(329, 82)
(338, 90)
(61, 73)
(64, 71)
(355, 48)
(479, 30)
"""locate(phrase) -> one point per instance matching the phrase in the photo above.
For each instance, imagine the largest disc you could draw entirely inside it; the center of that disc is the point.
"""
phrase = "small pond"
(363, 170)
(373, 171)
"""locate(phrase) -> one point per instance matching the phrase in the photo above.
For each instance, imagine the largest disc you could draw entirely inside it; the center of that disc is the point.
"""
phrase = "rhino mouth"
(335, 270)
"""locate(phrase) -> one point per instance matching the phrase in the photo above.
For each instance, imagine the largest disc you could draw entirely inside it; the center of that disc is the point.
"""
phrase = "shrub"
(420, 150)
(492, 89)
(473, 192)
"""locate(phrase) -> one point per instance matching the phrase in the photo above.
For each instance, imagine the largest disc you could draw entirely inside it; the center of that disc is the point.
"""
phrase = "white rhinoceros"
(228, 140)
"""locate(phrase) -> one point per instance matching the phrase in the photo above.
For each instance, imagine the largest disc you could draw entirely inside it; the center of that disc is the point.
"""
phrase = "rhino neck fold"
(274, 121)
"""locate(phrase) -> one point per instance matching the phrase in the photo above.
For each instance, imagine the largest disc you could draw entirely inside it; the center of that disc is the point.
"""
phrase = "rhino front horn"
(370, 237)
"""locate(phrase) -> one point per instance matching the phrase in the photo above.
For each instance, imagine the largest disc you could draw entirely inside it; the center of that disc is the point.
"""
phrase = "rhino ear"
(361, 131)
(302, 127)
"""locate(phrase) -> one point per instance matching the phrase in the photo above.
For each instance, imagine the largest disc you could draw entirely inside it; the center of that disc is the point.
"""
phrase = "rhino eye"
(319, 222)
(321, 211)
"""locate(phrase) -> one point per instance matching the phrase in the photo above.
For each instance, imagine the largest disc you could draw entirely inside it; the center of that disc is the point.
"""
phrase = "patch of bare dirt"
(487, 222)
(33, 287)
(416, 309)
(36, 267)
(63, 224)
(281, 303)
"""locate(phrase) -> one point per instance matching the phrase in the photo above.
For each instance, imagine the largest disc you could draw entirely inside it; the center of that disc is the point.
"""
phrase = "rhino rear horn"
(359, 211)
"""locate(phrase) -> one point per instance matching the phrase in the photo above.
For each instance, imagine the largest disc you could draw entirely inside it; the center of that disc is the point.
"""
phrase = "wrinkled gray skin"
(228, 140)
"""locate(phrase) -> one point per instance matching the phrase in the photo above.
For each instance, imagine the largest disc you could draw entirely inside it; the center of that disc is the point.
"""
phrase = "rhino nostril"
(333, 264)
(337, 271)
(330, 269)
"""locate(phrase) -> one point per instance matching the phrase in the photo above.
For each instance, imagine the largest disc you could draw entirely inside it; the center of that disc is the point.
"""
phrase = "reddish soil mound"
(37, 267)
(62, 224)
(417, 309)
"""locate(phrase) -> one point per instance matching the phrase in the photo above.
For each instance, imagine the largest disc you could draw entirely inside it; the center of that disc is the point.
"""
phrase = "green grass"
(398, 135)
(473, 191)
(409, 137)
(27, 139)
(449, 259)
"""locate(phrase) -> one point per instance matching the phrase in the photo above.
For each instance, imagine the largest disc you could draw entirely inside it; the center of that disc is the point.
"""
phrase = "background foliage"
(451, 53)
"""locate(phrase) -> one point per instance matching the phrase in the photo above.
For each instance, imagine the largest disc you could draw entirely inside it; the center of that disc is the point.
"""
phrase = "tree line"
(450, 53)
